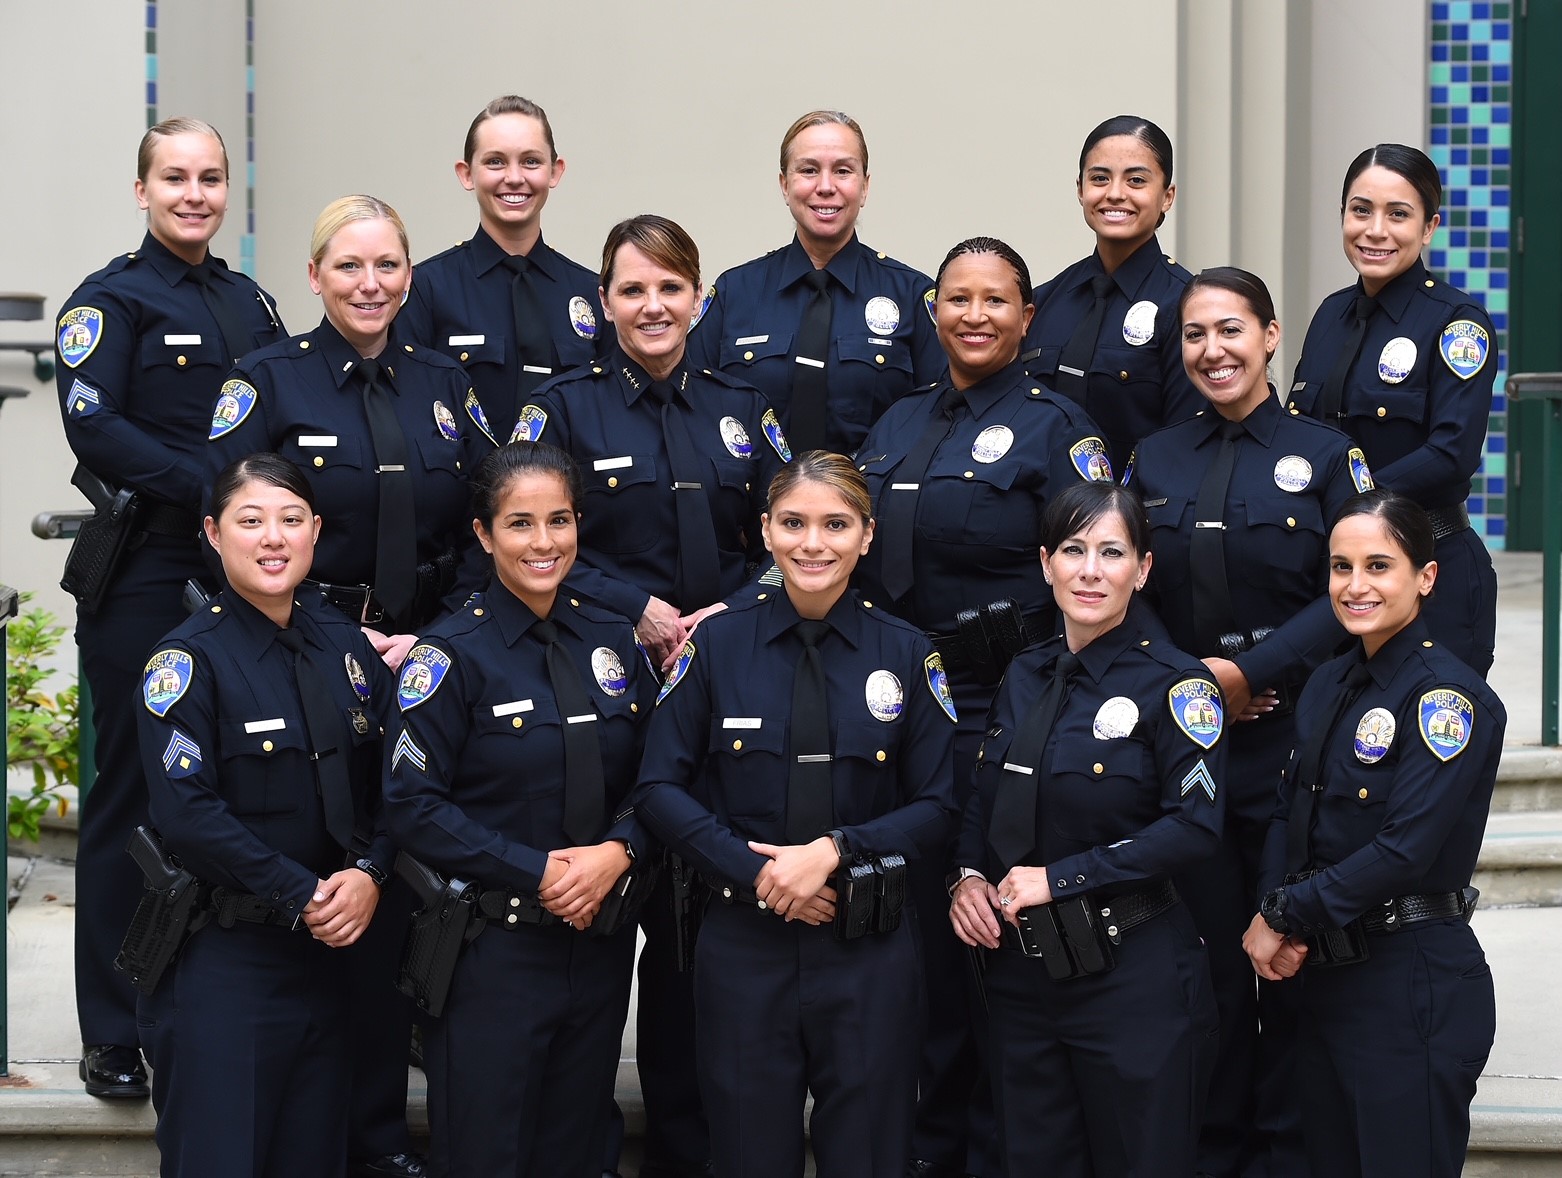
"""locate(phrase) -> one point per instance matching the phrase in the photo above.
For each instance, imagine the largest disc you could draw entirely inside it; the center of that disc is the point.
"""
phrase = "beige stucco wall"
(974, 118)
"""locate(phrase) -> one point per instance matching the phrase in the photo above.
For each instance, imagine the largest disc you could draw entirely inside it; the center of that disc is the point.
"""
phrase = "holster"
(889, 892)
(1068, 936)
(172, 909)
(683, 887)
(854, 885)
(436, 934)
(100, 546)
(1339, 946)
(622, 904)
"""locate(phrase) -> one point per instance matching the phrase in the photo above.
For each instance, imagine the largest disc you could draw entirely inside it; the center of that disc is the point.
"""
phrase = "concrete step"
(1529, 778)
(1521, 859)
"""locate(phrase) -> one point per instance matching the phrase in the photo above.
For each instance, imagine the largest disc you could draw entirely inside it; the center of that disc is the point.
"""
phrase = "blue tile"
(1477, 218)
(1501, 157)
(1501, 73)
(1480, 51)
(1501, 113)
(1459, 116)
(1480, 135)
(1496, 527)
(1480, 93)
(1439, 259)
(1478, 259)
(1499, 239)
(1499, 280)
(1439, 94)
(1480, 10)
(1461, 156)
(1439, 135)
(1499, 197)
(1496, 485)
(1458, 278)
(1502, 31)
(1458, 238)
(1481, 176)
(1440, 52)
(1440, 10)
(1496, 444)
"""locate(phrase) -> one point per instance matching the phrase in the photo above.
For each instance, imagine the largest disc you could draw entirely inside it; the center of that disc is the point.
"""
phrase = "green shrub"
(40, 728)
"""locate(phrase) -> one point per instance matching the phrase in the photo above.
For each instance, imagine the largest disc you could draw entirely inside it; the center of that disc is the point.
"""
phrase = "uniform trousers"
(379, 1027)
(143, 604)
(1390, 1052)
(1462, 611)
(1104, 1076)
(787, 1009)
(247, 1039)
(522, 1062)
(1252, 1126)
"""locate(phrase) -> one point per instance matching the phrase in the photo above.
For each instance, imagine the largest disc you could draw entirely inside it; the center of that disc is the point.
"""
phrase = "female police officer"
(828, 329)
(1368, 865)
(1101, 775)
(1238, 498)
(1105, 331)
(376, 423)
(260, 737)
(505, 305)
(960, 475)
(1404, 364)
(521, 1064)
(800, 753)
(142, 348)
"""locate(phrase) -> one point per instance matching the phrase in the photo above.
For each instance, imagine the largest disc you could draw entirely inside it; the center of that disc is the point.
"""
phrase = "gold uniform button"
(879, 359)
(575, 601)
(266, 746)
(408, 349)
(613, 481)
(748, 355)
(1295, 412)
(970, 474)
(597, 368)
(181, 361)
(458, 464)
(1427, 643)
(634, 707)
(1098, 767)
(1362, 794)
(1144, 642)
(867, 605)
(303, 345)
(1122, 374)
(883, 256)
(319, 461)
(748, 486)
(478, 612)
(737, 746)
(216, 609)
(1290, 521)
(517, 722)
(464, 357)
(879, 756)
(1382, 411)
(1430, 283)
(762, 596)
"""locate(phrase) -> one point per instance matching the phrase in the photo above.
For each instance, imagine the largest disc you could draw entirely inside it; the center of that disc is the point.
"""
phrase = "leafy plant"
(40, 728)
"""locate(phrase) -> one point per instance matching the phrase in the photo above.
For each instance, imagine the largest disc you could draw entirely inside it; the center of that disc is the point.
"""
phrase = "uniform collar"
(1393, 653)
(1128, 277)
(1260, 424)
(988, 391)
(259, 631)
(1098, 656)
(635, 382)
(845, 618)
(1394, 299)
(169, 266)
(341, 358)
(514, 617)
(843, 267)
(487, 253)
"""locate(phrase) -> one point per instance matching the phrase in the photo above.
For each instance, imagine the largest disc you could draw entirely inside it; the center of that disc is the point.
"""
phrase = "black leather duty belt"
(356, 601)
(510, 910)
(1405, 912)
(1448, 521)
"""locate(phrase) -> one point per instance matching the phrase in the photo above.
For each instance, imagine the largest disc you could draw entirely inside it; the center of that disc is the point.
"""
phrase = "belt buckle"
(373, 613)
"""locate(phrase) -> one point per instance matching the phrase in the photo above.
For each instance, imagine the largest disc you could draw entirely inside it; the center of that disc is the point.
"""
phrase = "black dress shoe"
(392, 1165)
(114, 1072)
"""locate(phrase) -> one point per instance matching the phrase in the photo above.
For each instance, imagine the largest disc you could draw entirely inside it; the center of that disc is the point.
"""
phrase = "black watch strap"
(368, 868)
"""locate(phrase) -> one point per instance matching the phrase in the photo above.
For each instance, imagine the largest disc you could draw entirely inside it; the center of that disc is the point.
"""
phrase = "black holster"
(436, 934)
(688, 910)
(173, 908)
(870, 893)
(622, 905)
(991, 635)
(102, 543)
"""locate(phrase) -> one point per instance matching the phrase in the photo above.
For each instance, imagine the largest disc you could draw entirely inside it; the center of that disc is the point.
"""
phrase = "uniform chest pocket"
(870, 742)
(513, 729)
(463, 350)
(977, 503)
(1127, 365)
(182, 352)
(751, 349)
(735, 475)
(315, 451)
(1379, 401)
(890, 355)
(1287, 539)
(1352, 805)
(614, 487)
(1044, 363)
(750, 770)
(253, 785)
(1097, 792)
(441, 454)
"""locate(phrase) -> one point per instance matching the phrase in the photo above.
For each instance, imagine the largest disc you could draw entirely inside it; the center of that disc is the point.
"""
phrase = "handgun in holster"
(854, 888)
(684, 888)
(174, 907)
(437, 932)
(102, 541)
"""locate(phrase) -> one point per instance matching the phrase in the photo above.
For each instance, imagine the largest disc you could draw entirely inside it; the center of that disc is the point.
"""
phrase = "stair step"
(1521, 859)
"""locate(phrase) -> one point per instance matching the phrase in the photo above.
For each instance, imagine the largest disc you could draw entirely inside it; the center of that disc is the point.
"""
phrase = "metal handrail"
(1546, 387)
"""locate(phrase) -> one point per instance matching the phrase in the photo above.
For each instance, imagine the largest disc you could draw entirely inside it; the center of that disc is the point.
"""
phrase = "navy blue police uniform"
(1135, 383)
(141, 357)
(786, 1008)
(1417, 399)
(608, 417)
(1011, 446)
(301, 399)
(882, 337)
(247, 1033)
(522, 1062)
(1391, 1045)
(461, 305)
(1105, 1073)
(1266, 609)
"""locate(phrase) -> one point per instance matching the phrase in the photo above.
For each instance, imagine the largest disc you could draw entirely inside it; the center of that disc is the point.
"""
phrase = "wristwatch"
(1272, 909)
(368, 868)
(958, 876)
(841, 848)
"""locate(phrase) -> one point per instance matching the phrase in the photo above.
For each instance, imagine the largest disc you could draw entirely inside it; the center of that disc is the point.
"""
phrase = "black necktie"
(1305, 786)
(1074, 361)
(808, 419)
(898, 500)
(1212, 612)
(1011, 832)
(1332, 398)
(699, 568)
(585, 795)
(328, 743)
(395, 543)
(533, 344)
(810, 802)
(237, 340)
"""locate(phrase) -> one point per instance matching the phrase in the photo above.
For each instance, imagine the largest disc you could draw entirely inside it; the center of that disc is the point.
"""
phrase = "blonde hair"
(343, 211)
(820, 118)
(834, 471)
(168, 128)
(508, 104)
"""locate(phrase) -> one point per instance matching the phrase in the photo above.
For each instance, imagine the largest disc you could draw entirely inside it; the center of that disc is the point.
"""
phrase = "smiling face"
(185, 193)
(512, 171)
(1123, 194)
(1385, 227)
(1226, 350)
(1374, 585)
(816, 538)
(361, 279)
(982, 316)
(532, 537)
(1094, 575)
(652, 307)
(266, 538)
(825, 184)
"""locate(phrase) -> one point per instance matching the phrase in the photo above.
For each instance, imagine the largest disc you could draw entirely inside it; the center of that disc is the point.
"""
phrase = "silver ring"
(1006, 901)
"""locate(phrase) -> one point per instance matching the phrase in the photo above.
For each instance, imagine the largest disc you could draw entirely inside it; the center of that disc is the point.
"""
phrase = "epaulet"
(1179, 270)
(116, 264)
(598, 369)
(469, 617)
(754, 594)
(1168, 655)
(890, 263)
(594, 612)
(430, 356)
(207, 618)
(731, 382)
(872, 609)
(442, 255)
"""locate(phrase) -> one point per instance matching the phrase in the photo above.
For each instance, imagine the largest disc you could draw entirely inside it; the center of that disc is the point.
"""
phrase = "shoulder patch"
(771, 424)
(1195, 708)
(1360, 476)
(421, 675)
(182, 757)
(82, 400)
(1128, 469)
(1446, 719)
(407, 750)
(530, 424)
(81, 328)
(1090, 461)
(167, 677)
(675, 676)
(234, 402)
(474, 410)
(930, 301)
(938, 684)
(1464, 346)
(710, 297)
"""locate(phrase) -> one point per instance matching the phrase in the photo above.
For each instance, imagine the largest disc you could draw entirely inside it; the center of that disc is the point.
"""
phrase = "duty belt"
(356, 601)
(164, 519)
(434, 579)
(510, 910)
(1404, 912)
(231, 907)
(1448, 521)
(1075, 937)
(986, 638)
